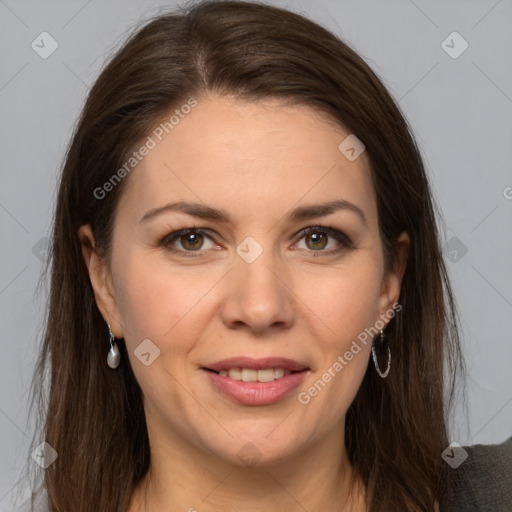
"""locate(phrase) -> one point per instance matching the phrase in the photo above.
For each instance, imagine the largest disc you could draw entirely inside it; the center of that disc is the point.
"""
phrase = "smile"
(255, 381)
(250, 375)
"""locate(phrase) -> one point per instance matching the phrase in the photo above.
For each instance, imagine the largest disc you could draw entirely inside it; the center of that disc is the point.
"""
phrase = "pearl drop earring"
(114, 356)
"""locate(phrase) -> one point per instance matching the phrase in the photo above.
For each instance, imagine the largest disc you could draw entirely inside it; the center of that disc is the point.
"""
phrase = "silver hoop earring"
(385, 345)
(114, 356)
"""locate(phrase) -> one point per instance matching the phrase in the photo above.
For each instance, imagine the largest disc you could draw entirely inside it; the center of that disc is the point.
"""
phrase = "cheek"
(159, 302)
(346, 300)
(163, 305)
(345, 306)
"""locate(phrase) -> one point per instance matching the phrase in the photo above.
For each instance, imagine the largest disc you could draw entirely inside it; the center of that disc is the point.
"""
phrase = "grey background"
(460, 111)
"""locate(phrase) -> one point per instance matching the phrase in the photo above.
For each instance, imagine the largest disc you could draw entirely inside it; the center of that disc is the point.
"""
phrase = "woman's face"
(248, 283)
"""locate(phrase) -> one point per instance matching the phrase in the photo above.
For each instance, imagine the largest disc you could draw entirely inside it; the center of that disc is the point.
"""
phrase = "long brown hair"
(94, 417)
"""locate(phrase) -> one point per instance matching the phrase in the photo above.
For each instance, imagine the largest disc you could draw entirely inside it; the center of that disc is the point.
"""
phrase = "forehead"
(258, 157)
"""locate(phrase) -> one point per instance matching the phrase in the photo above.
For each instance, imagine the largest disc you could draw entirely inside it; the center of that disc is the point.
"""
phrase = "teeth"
(235, 374)
(250, 375)
(265, 375)
(278, 373)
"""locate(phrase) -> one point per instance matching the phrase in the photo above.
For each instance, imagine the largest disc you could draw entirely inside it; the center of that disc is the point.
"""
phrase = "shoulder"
(483, 481)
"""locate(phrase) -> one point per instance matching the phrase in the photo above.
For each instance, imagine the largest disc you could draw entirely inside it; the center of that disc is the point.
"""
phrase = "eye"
(191, 240)
(317, 238)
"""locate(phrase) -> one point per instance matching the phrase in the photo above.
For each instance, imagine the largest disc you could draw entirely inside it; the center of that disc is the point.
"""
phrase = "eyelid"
(338, 235)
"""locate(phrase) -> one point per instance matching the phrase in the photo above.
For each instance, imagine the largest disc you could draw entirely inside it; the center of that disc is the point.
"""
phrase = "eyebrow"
(203, 211)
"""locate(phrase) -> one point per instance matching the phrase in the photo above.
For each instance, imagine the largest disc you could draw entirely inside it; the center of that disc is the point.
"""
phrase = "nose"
(258, 297)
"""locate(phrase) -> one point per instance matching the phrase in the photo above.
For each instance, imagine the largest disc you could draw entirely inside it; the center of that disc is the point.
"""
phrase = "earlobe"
(100, 278)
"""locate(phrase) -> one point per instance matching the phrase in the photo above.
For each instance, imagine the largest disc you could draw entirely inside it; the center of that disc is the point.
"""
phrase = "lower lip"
(256, 393)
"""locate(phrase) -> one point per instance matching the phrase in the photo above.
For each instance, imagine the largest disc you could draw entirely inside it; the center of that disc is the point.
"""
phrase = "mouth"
(252, 375)
(256, 381)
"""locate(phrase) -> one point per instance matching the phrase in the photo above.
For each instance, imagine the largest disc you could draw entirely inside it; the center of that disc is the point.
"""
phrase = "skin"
(257, 161)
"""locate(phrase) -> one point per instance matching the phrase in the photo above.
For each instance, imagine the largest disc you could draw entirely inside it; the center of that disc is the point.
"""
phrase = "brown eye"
(188, 241)
(324, 241)
(192, 241)
(318, 240)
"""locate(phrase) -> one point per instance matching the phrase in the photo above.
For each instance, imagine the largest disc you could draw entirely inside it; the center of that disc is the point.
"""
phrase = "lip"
(257, 364)
(256, 393)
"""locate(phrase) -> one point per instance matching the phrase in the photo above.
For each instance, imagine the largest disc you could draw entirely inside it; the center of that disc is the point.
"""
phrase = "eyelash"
(344, 240)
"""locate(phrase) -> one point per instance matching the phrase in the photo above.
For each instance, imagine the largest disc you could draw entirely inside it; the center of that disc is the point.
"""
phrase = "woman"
(249, 309)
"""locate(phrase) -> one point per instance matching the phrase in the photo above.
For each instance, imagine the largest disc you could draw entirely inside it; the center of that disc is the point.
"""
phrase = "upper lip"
(257, 364)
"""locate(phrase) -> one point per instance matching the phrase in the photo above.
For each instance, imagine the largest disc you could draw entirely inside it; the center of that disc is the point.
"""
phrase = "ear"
(393, 280)
(101, 280)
